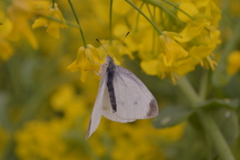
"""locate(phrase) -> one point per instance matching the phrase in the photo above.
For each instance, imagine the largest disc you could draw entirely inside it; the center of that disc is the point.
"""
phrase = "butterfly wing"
(107, 110)
(97, 109)
(134, 100)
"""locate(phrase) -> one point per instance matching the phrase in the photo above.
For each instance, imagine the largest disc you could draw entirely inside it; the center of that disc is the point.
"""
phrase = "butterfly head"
(109, 60)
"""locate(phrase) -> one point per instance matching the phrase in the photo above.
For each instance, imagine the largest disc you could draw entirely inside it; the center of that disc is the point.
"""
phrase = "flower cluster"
(177, 50)
(180, 49)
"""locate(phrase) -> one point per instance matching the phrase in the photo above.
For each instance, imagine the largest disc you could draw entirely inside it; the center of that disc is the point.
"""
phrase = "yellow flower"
(61, 97)
(170, 61)
(5, 137)
(133, 40)
(170, 50)
(19, 12)
(52, 26)
(6, 49)
(189, 8)
(192, 30)
(214, 12)
(85, 62)
(43, 138)
(201, 53)
(233, 64)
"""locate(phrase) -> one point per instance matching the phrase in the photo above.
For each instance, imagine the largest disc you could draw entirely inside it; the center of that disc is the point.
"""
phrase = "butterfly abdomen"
(110, 75)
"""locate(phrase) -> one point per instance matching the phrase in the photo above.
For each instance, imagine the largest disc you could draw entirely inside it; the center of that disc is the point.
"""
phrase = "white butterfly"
(122, 97)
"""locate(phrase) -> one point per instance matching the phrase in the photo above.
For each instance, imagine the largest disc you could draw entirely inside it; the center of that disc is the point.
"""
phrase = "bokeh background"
(45, 109)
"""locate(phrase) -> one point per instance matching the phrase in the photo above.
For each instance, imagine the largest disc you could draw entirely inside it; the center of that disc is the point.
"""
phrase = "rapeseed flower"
(170, 50)
(169, 59)
(19, 12)
(189, 8)
(233, 65)
(52, 25)
(85, 62)
(6, 50)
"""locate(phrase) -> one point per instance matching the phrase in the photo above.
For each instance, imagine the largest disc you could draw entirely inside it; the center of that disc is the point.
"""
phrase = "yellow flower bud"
(233, 64)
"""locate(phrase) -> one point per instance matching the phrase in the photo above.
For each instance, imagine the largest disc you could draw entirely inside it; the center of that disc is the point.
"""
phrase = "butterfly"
(122, 97)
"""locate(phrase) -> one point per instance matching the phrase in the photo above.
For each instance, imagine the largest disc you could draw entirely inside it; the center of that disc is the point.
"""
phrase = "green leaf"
(226, 103)
(227, 121)
(170, 116)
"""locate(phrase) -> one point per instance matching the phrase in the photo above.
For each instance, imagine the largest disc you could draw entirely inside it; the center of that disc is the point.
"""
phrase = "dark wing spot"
(135, 103)
(153, 108)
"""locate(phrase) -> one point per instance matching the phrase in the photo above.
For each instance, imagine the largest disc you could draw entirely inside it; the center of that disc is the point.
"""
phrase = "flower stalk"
(137, 19)
(172, 4)
(110, 21)
(151, 22)
(79, 24)
(208, 123)
(53, 1)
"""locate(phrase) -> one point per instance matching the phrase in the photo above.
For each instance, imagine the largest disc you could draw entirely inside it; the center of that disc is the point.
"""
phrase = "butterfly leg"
(94, 62)
(92, 71)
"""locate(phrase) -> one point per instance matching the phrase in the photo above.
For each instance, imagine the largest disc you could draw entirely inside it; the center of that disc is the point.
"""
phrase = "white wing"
(97, 109)
(134, 100)
(108, 112)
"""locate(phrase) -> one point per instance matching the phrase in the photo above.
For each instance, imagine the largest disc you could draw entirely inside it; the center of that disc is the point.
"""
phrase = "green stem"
(153, 24)
(218, 140)
(175, 6)
(59, 21)
(207, 122)
(149, 10)
(53, 2)
(203, 85)
(110, 21)
(161, 6)
(79, 25)
(154, 32)
(187, 88)
(137, 18)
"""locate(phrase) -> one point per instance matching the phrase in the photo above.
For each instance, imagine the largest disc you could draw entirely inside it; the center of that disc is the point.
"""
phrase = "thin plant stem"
(53, 2)
(219, 141)
(187, 88)
(110, 21)
(207, 122)
(203, 85)
(154, 32)
(151, 22)
(149, 10)
(175, 6)
(59, 21)
(78, 22)
(137, 19)
(159, 4)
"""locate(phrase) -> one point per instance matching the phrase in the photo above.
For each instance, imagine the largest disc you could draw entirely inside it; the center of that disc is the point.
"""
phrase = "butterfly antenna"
(102, 45)
(121, 42)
